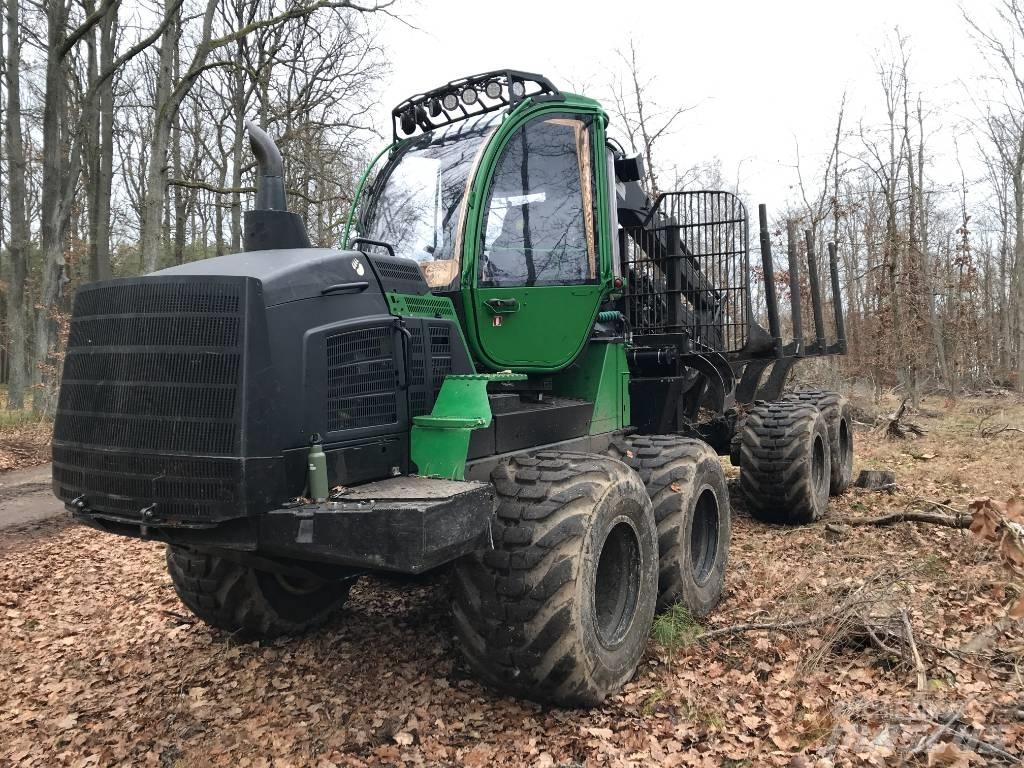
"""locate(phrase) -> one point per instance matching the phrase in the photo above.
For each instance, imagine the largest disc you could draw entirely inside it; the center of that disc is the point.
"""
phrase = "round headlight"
(493, 89)
(450, 101)
(518, 89)
(435, 107)
(469, 96)
(408, 121)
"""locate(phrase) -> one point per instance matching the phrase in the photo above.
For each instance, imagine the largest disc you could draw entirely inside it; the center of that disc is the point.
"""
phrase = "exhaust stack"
(270, 225)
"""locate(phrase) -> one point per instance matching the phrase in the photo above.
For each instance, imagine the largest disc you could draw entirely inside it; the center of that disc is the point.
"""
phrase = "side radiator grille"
(430, 360)
(440, 356)
(361, 379)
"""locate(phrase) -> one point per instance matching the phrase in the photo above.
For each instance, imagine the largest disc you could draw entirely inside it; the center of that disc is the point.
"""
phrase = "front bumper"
(402, 524)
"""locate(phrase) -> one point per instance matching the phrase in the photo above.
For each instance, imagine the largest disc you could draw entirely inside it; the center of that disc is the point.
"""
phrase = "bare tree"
(16, 197)
(170, 95)
(642, 121)
(1006, 132)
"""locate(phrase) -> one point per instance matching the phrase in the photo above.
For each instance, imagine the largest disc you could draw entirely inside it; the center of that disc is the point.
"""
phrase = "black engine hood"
(287, 275)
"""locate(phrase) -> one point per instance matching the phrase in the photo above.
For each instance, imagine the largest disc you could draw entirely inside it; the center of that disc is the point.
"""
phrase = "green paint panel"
(546, 330)
(601, 376)
(408, 305)
(440, 442)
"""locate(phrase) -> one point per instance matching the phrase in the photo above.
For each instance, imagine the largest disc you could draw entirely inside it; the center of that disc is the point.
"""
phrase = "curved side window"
(421, 204)
(540, 212)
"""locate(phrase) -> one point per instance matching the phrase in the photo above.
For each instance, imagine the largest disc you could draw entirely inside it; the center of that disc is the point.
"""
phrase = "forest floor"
(24, 439)
(101, 665)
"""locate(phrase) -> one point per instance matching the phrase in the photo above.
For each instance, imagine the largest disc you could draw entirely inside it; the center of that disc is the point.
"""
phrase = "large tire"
(248, 602)
(839, 419)
(785, 463)
(687, 487)
(560, 609)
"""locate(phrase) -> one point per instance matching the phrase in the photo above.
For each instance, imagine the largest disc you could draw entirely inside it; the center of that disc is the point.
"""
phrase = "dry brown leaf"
(949, 754)
(1017, 609)
(1015, 509)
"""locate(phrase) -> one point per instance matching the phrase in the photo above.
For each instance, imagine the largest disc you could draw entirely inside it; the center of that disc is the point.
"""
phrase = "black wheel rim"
(617, 584)
(295, 599)
(297, 585)
(818, 476)
(704, 536)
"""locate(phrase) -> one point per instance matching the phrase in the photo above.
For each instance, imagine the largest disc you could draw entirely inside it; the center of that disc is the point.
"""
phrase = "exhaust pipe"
(270, 225)
(270, 194)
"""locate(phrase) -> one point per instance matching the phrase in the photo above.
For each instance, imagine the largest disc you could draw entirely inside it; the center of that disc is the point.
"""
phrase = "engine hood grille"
(150, 406)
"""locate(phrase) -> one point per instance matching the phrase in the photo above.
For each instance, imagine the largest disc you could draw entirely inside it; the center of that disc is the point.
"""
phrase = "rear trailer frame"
(696, 344)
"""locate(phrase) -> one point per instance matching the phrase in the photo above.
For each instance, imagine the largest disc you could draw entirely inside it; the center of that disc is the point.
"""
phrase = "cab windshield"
(418, 210)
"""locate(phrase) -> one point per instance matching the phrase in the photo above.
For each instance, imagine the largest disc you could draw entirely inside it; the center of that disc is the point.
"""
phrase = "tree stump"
(876, 480)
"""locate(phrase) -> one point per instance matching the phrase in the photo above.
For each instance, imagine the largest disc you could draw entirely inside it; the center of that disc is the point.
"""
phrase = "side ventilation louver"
(361, 379)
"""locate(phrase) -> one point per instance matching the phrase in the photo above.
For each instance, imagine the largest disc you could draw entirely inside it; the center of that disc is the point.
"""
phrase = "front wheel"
(249, 602)
(560, 610)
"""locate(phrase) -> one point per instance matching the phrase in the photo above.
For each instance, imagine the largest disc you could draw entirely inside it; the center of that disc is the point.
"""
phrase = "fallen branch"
(754, 626)
(929, 740)
(956, 519)
(959, 520)
(997, 429)
(181, 619)
(971, 741)
(922, 675)
(869, 594)
(897, 429)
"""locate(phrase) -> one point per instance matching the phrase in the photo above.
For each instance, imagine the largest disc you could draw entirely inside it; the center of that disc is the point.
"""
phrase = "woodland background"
(123, 151)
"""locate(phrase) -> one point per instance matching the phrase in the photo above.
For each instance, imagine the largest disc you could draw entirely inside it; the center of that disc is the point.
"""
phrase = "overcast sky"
(763, 75)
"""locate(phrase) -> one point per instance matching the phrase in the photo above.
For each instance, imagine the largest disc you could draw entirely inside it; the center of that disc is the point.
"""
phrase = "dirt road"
(26, 497)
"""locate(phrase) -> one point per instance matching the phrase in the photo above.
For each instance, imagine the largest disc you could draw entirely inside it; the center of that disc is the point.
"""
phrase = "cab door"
(537, 281)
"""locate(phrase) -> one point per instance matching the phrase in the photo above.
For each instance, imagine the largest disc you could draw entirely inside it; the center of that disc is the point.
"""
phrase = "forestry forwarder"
(519, 365)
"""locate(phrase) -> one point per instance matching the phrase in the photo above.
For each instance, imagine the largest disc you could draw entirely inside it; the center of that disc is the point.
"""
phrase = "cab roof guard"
(467, 97)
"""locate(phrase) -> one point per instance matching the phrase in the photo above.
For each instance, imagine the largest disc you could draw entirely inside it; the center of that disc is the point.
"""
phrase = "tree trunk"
(934, 321)
(1018, 261)
(54, 218)
(91, 123)
(179, 192)
(152, 239)
(105, 168)
(17, 194)
(238, 104)
(218, 213)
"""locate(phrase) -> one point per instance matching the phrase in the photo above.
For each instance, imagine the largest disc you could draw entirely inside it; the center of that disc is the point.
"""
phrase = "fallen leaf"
(949, 754)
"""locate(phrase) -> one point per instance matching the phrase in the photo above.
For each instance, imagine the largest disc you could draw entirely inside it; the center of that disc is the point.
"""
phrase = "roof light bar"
(468, 97)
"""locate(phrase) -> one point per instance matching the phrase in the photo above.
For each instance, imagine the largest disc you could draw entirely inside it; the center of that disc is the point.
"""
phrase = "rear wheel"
(688, 491)
(836, 411)
(560, 610)
(785, 463)
(252, 603)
